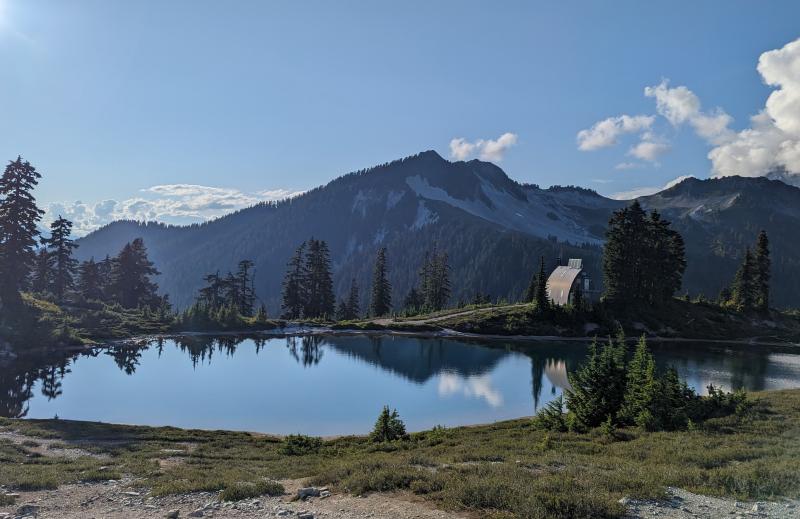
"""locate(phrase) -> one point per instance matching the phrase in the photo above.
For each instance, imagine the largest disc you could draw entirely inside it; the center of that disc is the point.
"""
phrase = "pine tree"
(19, 215)
(413, 302)
(540, 295)
(353, 304)
(381, 302)
(105, 269)
(89, 281)
(245, 281)
(744, 290)
(388, 426)
(131, 285)
(42, 276)
(294, 284)
(320, 300)
(641, 385)
(598, 386)
(64, 265)
(763, 265)
(530, 292)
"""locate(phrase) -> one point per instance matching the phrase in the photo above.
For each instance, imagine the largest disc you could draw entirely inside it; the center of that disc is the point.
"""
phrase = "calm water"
(337, 385)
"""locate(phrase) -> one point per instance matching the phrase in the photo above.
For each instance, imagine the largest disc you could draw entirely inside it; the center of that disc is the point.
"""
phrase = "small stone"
(755, 508)
(283, 513)
(305, 515)
(173, 514)
(197, 513)
(132, 493)
(307, 492)
(324, 493)
(624, 501)
(27, 509)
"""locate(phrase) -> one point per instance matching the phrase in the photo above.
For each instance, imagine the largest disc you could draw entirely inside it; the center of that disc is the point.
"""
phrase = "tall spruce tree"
(320, 300)
(381, 301)
(643, 259)
(641, 385)
(294, 284)
(540, 295)
(131, 285)
(763, 274)
(89, 280)
(19, 215)
(245, 280)
(64, 265)
(42, 275)
(353, 305)
(744, 290)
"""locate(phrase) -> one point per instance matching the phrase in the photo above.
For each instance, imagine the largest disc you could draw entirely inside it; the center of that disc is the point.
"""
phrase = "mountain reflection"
(455, 368)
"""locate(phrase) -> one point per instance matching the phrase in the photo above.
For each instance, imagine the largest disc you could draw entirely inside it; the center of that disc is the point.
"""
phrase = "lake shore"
(506, 468)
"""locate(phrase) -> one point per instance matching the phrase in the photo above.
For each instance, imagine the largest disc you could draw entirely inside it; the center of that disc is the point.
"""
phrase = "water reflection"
(266, 383)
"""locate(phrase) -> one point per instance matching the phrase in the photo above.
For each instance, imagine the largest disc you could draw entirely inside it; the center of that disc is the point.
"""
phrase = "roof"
(560, 282)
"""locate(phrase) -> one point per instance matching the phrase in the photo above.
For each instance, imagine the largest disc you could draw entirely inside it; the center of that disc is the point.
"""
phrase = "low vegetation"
(508, 469)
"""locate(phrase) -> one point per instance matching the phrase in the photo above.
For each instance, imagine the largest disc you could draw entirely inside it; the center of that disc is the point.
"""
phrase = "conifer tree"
(381, 302)
(89, 281)
(294, 285)
(105, 269)
(42, 276)
(19, 215)
(598, 386)
(743, 292)
(641, 385)
(763, 275)
(353, 305)
(131, 285)
(540, 296)
(245, 287)
(530, 292)
(320, 300)
(64, 265)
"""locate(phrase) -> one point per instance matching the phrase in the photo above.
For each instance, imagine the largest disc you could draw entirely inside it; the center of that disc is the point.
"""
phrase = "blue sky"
(121, 101)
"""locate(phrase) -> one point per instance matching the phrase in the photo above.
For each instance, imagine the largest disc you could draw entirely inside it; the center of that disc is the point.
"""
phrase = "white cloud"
(491, 150)
(628, 165)
(772, 142)
(605, 133)
(649, 150)
(169, 203)
(646, 191)
(460, 149)
(679, 105)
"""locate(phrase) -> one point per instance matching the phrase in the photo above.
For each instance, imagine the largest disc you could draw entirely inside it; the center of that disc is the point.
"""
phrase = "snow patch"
(393, 197)
(424, 217)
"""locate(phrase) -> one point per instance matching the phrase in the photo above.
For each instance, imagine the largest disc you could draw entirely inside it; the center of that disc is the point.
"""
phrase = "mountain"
(719, 217)
(494, 229)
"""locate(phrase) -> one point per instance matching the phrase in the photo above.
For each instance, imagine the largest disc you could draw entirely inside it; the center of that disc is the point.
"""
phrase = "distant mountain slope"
(719, 217)
(494, 229)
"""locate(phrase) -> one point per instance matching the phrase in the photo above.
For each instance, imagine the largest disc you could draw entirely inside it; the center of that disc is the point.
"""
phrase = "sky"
(180, 111)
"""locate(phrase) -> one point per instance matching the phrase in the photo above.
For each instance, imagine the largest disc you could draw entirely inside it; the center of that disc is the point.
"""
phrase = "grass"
(508, 469)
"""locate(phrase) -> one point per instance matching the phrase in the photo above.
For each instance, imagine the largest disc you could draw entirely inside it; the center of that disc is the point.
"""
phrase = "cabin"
(566, 281)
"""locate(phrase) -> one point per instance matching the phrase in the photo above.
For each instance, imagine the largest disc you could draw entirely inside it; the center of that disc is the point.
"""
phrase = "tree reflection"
(306, 350)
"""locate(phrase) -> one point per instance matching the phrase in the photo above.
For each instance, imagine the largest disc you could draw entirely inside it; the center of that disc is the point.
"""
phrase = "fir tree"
(598, 386)
(320, 300)
(762, 265)
(641, 385)
(64, 265)
(744, 290)
(294, 285)
(89, 281)
(19, 215)
(388, 426)
(42, 276)
(381, 302)
(413, 302)
(131, 285)
(540, 298)
(353, 304)
(245, 280)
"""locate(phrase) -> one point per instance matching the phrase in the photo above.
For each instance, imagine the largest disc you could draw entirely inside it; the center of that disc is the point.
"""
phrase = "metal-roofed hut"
(565, 281)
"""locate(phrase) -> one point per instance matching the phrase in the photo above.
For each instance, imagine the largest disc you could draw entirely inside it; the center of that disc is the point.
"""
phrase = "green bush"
(301, 445)
(247, 489)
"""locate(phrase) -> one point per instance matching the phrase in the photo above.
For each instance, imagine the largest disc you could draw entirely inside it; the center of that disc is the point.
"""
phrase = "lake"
(331, 385)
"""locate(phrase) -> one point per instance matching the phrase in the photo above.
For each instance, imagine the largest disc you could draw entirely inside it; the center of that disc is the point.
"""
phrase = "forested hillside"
(493, 229)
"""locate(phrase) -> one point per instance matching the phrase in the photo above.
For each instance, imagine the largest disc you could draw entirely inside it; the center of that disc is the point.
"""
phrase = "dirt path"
(123, 499)
(435, 319)
(681, 504)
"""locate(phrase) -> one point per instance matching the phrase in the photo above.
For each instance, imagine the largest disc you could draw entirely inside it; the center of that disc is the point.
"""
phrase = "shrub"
(247, 489)
(300, 445)
(552, 417)
(388, 427)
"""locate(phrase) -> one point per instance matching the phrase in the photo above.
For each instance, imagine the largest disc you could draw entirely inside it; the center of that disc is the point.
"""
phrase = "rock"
(283, 513)
(27, 509)
(624, 501)
(197, 513)
(305, 515)
(755, 508)
(308, 492)
(132, 493)
(12, 495)
(173, 514)
(324, 493)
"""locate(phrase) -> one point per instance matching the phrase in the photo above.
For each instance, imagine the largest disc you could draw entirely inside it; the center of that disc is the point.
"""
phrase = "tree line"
(46, 266)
